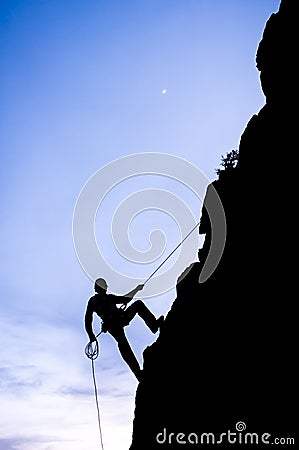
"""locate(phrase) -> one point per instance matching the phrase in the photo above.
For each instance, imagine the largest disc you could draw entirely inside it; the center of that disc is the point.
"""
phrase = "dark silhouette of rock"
(227, 351)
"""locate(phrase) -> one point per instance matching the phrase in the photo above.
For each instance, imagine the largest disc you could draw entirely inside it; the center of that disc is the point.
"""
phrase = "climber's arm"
(132, 293)
(124, 299)
(88, 322)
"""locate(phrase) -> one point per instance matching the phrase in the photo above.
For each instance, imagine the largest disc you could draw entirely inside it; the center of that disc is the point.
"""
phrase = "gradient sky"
(81, 86)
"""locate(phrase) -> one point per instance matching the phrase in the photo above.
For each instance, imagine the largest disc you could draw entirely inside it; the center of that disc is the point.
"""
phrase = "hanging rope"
(170, 254)
(92, 352)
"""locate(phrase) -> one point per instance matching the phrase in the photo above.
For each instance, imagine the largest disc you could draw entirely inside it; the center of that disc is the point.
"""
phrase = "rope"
(92, 353)
(170, 254)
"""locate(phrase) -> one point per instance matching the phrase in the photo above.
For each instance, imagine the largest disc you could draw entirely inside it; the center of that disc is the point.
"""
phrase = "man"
(115, 319)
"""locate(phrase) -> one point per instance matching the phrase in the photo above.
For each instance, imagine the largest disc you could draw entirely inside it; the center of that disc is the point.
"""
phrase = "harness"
(109, 313)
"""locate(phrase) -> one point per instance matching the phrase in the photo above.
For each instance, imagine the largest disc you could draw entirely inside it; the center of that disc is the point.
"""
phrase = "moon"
(164, 91)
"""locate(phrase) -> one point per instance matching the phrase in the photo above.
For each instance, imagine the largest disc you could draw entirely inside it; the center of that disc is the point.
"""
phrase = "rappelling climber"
(114, 319)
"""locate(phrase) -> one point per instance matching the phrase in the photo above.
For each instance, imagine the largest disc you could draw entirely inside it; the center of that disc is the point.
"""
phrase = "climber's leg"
(126, 351)
(138, 307)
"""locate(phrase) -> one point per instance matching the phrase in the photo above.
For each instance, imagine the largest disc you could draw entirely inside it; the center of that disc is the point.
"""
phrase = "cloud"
(23, 443)
(47, 396)
(9, 444)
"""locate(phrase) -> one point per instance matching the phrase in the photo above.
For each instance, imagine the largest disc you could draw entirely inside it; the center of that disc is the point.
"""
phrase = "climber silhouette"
(116, 318)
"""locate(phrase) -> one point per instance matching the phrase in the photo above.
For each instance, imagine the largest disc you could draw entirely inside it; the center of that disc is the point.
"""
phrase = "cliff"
(227, 351)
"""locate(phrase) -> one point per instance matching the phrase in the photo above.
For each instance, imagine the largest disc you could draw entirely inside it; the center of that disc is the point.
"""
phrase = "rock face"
(227, 351)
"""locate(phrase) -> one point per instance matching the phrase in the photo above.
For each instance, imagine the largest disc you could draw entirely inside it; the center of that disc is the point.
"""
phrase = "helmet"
(100, 283)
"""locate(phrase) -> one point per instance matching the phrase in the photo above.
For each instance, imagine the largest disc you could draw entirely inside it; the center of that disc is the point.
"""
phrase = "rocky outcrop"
(227, 351)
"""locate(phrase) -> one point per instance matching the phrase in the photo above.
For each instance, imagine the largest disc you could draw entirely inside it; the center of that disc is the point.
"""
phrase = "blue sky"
(81, 86)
